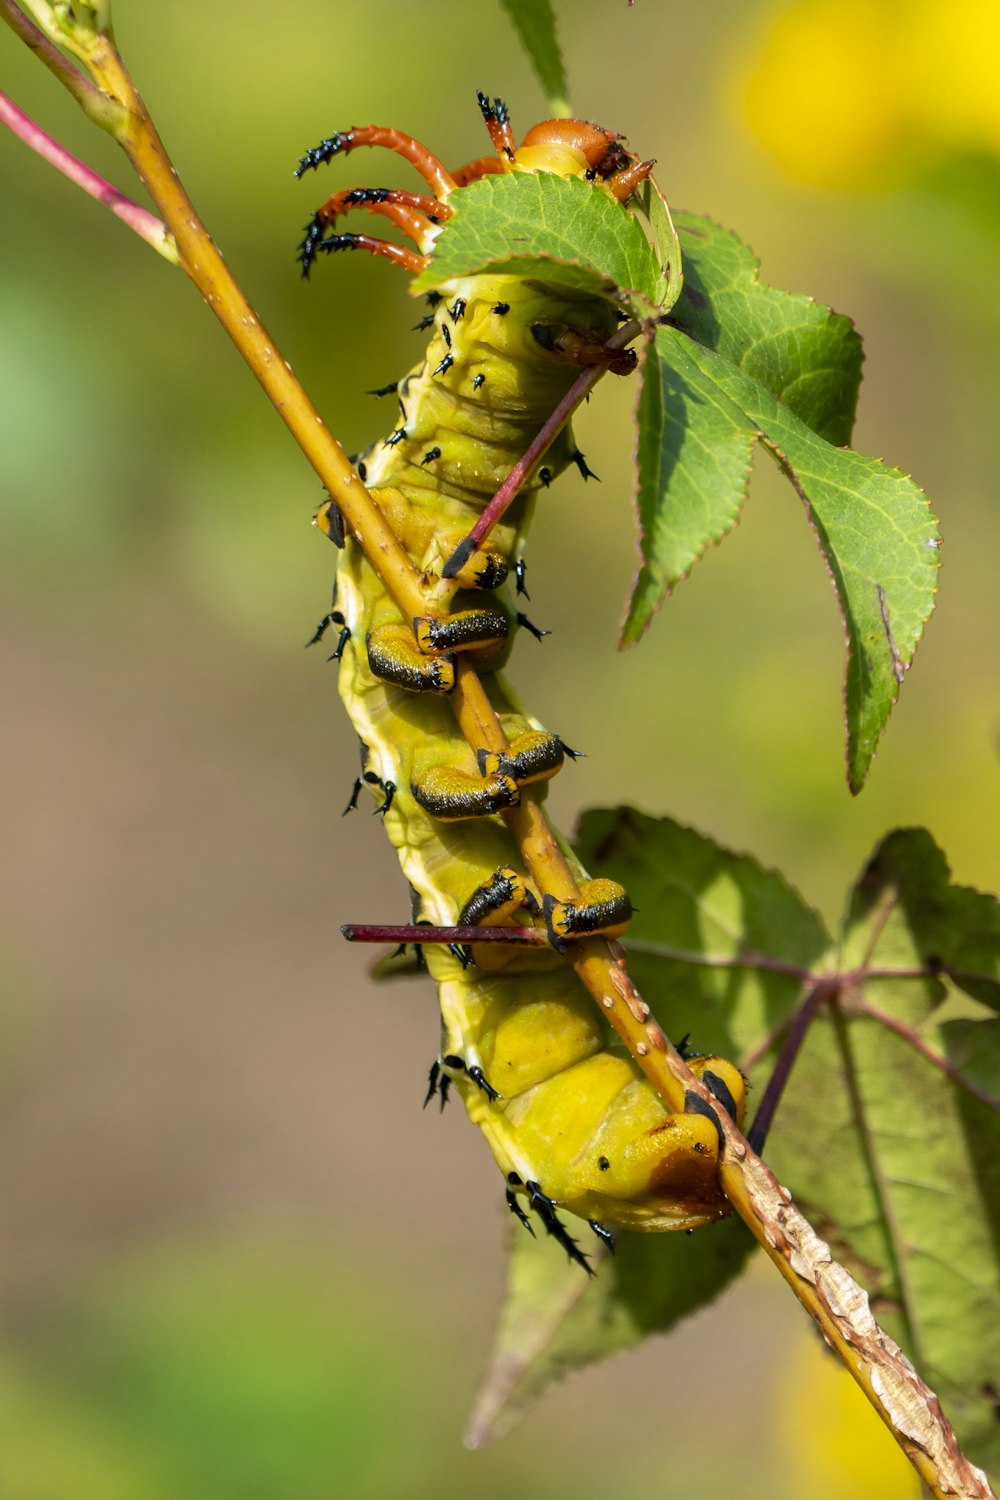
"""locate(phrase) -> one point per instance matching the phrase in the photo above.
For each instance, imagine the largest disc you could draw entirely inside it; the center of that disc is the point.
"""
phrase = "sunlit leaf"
(665, 241)
(872, 523)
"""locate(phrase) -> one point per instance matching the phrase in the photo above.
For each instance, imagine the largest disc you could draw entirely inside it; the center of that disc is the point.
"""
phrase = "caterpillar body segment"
(429, 536)
(482, 431)
(534, 756)
(575, 1115)
(504, 899)
(571, 1120)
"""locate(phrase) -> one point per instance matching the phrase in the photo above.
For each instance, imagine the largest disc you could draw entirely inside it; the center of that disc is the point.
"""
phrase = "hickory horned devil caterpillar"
(571, 1120)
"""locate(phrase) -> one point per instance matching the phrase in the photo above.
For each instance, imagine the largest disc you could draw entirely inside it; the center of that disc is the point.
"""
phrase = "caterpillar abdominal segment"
(573, 1124)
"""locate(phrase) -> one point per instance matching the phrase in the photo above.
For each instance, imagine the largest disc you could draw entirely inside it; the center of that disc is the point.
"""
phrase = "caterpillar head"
(571, 148)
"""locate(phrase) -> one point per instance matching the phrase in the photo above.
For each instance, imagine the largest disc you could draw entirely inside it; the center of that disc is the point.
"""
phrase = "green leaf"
(872, 523)
(556, 1320)
(740, 362)
(808, 357)
(560, 229)
(897, 1164)
(905, 899)
(535, 24)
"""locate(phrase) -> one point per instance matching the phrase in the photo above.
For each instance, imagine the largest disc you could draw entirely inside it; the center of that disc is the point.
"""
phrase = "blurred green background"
(237, 1260)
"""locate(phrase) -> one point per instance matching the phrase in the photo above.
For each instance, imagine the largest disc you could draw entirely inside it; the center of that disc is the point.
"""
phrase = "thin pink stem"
(146, 225)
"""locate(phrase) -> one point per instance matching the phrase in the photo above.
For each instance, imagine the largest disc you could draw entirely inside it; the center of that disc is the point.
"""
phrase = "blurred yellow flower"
(951, 56)
(854, 93)
(835, 1444)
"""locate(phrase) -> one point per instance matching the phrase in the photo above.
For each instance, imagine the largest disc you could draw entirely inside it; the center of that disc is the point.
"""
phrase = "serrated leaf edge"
(856, 782)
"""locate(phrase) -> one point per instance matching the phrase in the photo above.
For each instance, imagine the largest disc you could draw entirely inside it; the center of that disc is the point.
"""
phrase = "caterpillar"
(572, 1122)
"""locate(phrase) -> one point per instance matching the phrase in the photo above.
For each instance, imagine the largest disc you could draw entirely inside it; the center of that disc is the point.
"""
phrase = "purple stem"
(771, 1097)
(362, 932)
(145, 224)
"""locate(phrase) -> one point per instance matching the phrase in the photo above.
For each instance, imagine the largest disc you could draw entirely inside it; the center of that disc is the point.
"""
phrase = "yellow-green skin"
(575, 1114)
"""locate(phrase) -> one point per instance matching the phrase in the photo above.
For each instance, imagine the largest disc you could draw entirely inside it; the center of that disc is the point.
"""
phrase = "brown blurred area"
(237, 1258)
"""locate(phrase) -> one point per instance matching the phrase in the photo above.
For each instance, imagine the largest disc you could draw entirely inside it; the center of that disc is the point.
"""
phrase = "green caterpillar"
(572, 1122)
